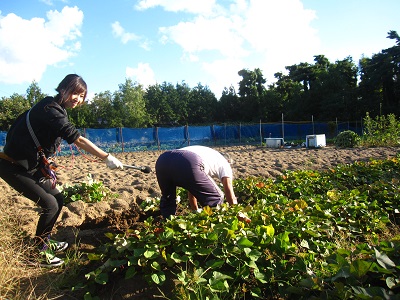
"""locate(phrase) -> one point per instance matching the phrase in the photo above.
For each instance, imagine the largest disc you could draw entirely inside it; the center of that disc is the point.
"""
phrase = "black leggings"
(36, 189)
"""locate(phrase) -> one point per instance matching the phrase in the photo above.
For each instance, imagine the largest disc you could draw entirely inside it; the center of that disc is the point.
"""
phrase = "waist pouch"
(48, 169)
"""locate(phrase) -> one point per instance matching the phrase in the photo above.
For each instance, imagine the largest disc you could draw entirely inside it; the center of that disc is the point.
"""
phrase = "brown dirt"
(84, 224)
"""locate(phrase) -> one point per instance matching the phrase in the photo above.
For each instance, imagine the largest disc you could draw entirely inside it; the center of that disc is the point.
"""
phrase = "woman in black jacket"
(32, 139)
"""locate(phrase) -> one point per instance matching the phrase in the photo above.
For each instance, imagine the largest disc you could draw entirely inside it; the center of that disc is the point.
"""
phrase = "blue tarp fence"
(162, 138)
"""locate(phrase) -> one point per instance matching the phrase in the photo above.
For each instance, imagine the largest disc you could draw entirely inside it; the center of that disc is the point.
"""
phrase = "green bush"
(381, 131)
(347, 139)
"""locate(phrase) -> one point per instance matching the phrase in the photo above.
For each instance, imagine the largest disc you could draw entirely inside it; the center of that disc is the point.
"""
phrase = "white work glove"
(113, 163)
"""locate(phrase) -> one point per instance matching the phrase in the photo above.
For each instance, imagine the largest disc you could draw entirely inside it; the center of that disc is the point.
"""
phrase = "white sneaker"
(54, 245)
(49, 260)
(58, 246)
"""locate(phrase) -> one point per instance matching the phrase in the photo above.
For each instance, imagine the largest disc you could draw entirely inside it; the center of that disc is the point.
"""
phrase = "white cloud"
(27, 47)
(51, 2)
(222, 74)
(190, 6)
(47, 2)
(265, 34)
(143, 74)
(207, 34)
(119, 32)
(90, 96)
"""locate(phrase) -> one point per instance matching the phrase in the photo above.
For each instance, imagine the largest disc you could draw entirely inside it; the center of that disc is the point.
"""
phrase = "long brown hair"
(71, 84)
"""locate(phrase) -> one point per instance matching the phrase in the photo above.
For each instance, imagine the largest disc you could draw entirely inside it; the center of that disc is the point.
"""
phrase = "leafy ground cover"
(313, 234)
(89, 191)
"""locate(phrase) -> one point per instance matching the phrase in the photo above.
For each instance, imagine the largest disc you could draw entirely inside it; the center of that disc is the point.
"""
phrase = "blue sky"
(175, 41)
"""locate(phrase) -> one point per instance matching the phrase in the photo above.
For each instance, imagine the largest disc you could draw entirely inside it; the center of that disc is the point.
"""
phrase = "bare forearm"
(192, 201)
(230, 198)
(228, 190)
(88, 146)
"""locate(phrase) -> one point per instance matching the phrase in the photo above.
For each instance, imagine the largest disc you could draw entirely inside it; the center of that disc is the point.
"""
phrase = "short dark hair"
(71, 84)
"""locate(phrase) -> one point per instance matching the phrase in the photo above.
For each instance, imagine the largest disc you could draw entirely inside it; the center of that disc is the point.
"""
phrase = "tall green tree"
(160, 99)
(303, 74)
(379, 88)
(202, 106)
(228, 106)
(285, 98)
(34, 93)
(317, 91)
(81, 116)
(339, 92)
(251, 92)
(329, 90)
(252, 83)
(129, 106)
(10, 109)
(102, 110)
(180, 103)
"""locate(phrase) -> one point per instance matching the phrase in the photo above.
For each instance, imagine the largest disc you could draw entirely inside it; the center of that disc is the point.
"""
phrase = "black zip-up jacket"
(50, 124)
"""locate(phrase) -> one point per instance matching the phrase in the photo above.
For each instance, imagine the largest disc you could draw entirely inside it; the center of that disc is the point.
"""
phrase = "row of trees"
(341, 90)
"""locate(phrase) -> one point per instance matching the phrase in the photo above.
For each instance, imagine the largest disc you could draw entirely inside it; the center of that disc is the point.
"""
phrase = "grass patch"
(20, 277)
(17, 281)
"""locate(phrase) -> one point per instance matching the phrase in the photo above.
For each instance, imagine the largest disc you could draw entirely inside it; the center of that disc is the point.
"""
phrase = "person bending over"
(32, 139)
(193, 169)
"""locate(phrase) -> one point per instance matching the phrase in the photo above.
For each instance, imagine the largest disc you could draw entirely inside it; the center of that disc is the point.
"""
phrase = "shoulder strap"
(33, 135)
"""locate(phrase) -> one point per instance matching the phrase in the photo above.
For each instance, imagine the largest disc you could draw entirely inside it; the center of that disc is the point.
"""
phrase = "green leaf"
(342, 273)
(212, 236)
(130, 272)
(101, 278)
(117, 263)
(204, 251)
(88, 296)
(176, 257)
(110, 235)
(244, 242)
(384, 260)
(392, 282)
(256, 292)
(218, 282)
(156, 266)
(218, 285)
(94, 256)
(270, 230)
(151, 253)
(138, 252)
(183, 277)
(283, 240)
(218, 276)
(360, 267)
(371, 293)
(251, 264)
(260, 276)
(252, 253)
(198, 276)
(304, 244)
(158, 278)
(214, 264)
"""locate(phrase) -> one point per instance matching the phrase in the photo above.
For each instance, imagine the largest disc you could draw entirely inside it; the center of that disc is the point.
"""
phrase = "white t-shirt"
(215, 164)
